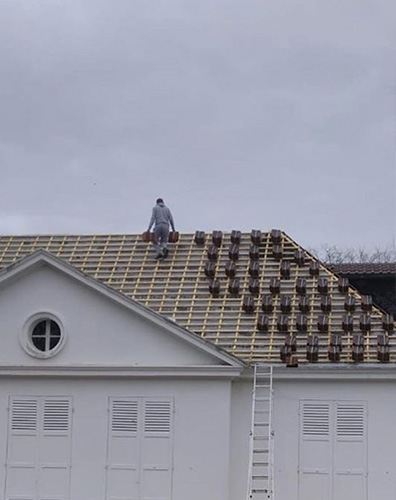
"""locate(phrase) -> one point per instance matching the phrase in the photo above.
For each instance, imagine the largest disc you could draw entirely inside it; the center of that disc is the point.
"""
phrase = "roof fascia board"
(42, 256)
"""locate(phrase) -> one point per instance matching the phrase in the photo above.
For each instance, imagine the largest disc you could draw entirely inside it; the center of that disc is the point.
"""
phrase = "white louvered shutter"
(123, 474)
(315, 450)
(55, 448)
(22, 449)
(39, 448)
(157, 447)
(350, 451)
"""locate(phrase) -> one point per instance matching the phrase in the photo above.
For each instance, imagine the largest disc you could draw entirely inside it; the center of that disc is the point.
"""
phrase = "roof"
(253, 318)
(380, 268)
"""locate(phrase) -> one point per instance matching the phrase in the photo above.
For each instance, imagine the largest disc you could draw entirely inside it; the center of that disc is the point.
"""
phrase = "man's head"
(159, 200)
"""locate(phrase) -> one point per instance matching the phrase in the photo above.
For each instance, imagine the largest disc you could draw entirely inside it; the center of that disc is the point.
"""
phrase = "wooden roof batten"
(313, 318)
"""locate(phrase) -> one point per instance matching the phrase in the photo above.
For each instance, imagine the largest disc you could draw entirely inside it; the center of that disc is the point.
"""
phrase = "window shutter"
(350, 420)
(56, 415)
(157, 416)
(124, 416)
(315, 420)
(24, 415)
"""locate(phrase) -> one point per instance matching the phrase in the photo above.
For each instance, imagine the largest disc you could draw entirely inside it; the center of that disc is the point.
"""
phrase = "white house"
(123, 378)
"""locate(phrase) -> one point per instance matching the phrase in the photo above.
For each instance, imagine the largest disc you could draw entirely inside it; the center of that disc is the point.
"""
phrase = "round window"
(46, 335)
(43, 335)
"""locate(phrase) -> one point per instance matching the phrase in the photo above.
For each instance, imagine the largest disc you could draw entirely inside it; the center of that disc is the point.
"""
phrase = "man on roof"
(161, 218)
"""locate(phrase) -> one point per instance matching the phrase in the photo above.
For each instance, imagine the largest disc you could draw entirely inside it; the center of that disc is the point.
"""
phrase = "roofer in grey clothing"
(161, 217)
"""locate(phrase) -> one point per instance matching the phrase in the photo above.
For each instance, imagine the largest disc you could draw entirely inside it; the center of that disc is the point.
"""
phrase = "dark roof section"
(377, 280)
(258, 295)
(388, 268)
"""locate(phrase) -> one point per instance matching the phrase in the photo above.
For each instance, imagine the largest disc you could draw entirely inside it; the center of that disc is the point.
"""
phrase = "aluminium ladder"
(260, 479)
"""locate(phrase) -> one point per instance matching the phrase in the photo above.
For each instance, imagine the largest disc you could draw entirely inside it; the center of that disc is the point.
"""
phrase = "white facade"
(334, 433)
(132, 407)
(198, 451)
(335, 438)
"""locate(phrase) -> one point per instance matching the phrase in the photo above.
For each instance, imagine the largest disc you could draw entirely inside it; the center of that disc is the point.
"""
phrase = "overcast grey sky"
(241, 114)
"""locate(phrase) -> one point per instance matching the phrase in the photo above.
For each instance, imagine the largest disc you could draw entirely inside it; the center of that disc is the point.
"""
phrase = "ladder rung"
(261, 424)
(262, 399)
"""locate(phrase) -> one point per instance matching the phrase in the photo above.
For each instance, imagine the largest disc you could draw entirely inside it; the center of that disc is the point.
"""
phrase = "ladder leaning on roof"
(260, 478)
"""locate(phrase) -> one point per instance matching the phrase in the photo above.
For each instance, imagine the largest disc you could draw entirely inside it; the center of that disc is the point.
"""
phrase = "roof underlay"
(279, 300)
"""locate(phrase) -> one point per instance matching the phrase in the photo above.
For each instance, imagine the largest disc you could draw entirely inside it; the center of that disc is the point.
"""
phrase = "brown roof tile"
(388, 268)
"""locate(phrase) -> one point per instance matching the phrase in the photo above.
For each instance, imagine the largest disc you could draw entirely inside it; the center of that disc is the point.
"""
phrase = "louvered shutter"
(22, 449)
(315, 450)
(333, 450)
(157, 417)
(157, 443)
(56, 416)
(124, 416)
(39, 448)
(55, 448)
(123, 475)
(316, 421)
(350, 450)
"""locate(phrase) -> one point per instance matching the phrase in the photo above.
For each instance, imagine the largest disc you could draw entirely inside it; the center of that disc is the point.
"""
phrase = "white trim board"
(226, 372)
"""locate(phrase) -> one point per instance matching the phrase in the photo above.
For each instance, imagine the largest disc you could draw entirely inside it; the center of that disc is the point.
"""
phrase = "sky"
(241, 114)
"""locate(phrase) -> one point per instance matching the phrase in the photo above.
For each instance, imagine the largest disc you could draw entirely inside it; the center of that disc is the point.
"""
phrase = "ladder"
(260, 479)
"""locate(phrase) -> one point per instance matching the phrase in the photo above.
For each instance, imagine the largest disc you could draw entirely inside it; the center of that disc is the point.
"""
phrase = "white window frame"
(27, 330)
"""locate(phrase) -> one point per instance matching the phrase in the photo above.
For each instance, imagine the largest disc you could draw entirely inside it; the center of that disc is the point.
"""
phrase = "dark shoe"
(159, 256)
(165, 251)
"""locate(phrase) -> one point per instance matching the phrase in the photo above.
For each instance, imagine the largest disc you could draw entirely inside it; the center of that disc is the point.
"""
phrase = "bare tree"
(332, 254)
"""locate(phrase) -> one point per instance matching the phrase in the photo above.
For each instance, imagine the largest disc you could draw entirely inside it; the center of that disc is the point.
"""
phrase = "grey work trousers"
(161, 235)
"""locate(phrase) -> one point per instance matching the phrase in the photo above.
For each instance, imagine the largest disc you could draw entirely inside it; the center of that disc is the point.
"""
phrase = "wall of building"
(377, 396)
(241, 405)
(99, 331)
(202, 430)
(380, 398)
